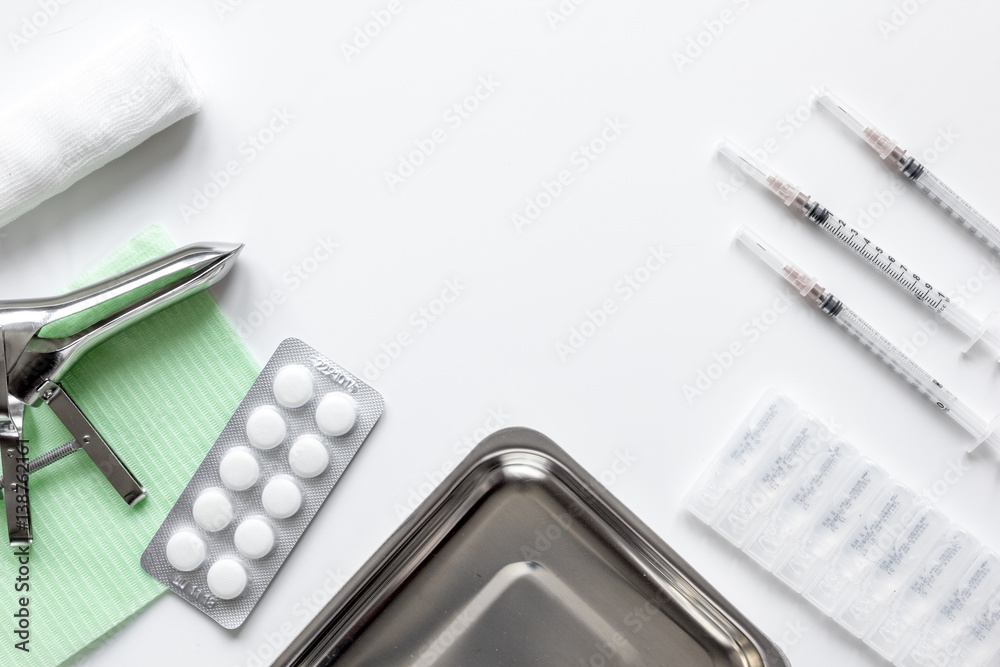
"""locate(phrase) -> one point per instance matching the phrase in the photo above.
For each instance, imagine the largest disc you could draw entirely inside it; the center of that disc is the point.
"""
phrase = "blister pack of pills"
(859, 545)
(261, 483)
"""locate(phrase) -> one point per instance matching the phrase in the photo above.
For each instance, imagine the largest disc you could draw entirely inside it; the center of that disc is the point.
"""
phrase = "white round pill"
(281, 498)
(238, 469)
(293, 386)
(265, 428)
(185, 551)
(212, 510)
(254, 538)
(308, 457)
(336, 413)
(227, 579)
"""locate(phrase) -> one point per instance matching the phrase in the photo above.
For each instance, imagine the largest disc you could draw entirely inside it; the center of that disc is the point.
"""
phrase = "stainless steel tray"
(520, 557)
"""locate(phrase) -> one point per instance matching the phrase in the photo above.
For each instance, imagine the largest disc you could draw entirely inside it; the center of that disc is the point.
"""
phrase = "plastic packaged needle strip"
(860, 546)
(262, 482)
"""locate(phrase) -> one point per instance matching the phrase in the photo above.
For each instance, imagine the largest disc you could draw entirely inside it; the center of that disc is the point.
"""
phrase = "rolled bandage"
(94, 114)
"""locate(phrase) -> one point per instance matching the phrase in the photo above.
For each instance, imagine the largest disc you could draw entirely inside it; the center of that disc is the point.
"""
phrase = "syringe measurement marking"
(927, 177)
(955, 214)
(861, 246)
(908, 370)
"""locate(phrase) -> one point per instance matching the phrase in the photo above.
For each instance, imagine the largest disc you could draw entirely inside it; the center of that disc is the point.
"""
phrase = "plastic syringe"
(929, 184)
(876, 343)
(870, 252)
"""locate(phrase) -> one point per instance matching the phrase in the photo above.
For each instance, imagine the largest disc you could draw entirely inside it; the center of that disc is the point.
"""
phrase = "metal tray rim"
(354, 603)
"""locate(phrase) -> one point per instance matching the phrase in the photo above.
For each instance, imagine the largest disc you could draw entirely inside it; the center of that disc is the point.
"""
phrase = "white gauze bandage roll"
(103, 109)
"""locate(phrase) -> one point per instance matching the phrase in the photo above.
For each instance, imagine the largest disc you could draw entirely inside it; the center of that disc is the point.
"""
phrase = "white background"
(494, 348)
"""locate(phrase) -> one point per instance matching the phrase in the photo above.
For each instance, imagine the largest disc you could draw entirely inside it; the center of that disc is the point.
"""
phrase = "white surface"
(265, 428)
(308, 457)
(293, 386)
(281, 498)
(332, 256)
(336, 414)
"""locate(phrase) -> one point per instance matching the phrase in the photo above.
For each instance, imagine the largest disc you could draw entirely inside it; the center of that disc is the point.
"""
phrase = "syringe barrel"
(910, 371)
(959, 209)
(977, 330)
(889, 266)
(877, 344)
(981, 430)
(930, 184)
(963, 320)
(877, 257)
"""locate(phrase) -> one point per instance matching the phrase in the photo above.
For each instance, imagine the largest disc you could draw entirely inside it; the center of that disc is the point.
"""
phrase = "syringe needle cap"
(881, 144)
(801, 280)
(757, 170)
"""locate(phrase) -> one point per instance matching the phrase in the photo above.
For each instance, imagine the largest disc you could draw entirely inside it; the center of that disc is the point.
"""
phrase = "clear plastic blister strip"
(261, 483)
(862, 547)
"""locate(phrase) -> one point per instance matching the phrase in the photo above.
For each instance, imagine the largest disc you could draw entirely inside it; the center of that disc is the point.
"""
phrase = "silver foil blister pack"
(260, 485)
